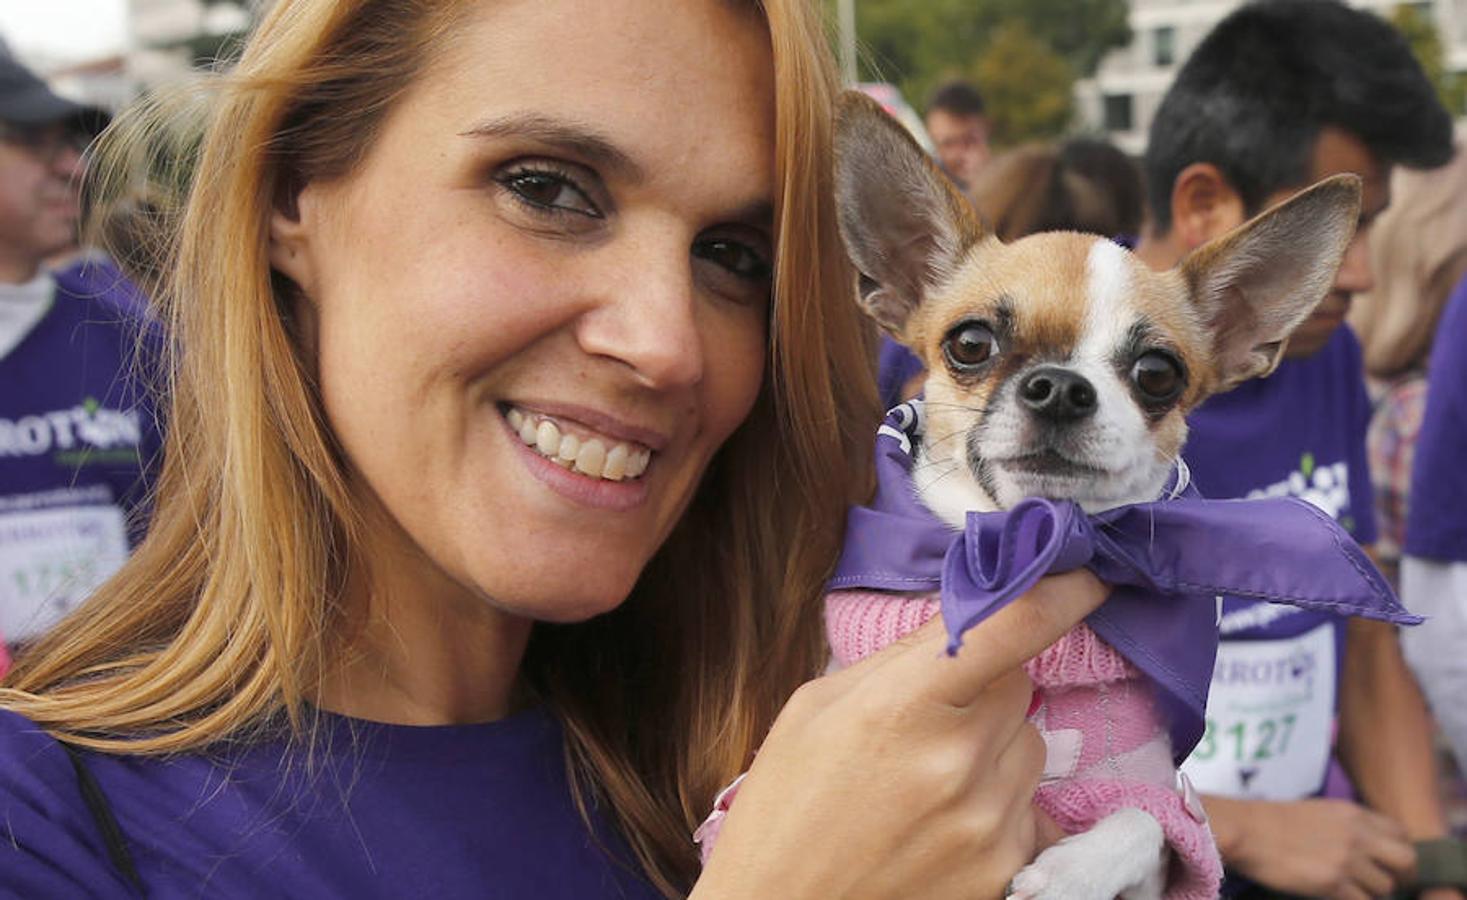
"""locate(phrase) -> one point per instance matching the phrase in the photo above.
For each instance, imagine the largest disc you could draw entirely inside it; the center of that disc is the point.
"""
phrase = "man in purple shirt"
(75, 436)
(1276, 97)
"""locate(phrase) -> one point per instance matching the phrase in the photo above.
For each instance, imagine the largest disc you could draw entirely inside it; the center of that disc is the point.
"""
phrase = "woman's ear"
(1204, 205)
(292, 224)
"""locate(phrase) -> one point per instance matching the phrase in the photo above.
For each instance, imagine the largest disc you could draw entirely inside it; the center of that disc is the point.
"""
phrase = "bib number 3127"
(1269, 718)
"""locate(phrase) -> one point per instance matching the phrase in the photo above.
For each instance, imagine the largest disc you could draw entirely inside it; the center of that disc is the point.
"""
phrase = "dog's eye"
(1158, 376)
(969, 345)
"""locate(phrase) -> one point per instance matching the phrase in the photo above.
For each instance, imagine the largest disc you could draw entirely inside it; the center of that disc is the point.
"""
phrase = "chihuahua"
(1060, 366)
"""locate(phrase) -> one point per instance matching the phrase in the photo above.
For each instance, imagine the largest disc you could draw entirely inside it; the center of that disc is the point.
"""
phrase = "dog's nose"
(1057, 394)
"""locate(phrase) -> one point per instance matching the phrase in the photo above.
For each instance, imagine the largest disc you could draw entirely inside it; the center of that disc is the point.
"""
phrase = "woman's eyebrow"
(576, 138)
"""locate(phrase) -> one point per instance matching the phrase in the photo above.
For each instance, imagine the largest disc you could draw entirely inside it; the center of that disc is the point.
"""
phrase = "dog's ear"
(904, 224)
(1254, 285)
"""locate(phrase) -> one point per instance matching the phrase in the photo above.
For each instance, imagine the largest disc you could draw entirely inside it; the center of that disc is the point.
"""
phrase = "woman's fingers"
(1021, 762)
(1006, 820)
(1047, 830)
(920, 767)
(1005, 641)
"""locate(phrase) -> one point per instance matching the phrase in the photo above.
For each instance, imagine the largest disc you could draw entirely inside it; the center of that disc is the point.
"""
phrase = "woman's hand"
(908, 774)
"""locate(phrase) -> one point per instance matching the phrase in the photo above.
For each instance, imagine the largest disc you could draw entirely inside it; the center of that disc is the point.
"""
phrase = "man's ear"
(904, 224)
(1204, 205)
(1256, 284)
(291, 221)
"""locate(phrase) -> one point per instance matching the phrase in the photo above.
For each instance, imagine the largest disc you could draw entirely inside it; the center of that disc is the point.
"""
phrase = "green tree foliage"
(1026, 86)
(1416, 25)
(918, 43)
(1080, 31)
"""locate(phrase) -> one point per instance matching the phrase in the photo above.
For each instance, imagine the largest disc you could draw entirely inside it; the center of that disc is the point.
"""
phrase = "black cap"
(25, 100)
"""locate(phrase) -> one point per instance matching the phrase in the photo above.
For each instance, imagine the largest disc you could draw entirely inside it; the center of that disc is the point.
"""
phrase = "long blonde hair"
(224, 618)
(1418, 253)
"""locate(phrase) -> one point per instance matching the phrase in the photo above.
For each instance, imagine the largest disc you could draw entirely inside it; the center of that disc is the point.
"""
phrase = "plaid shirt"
(1391, 445)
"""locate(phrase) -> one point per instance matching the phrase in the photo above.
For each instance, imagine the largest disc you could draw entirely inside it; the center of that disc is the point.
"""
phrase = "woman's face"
(538, 306)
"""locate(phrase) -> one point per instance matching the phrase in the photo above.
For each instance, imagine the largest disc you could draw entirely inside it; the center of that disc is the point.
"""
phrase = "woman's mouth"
(580, 449)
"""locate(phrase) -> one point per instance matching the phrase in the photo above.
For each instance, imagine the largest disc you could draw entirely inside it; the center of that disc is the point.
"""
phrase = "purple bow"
(1169, 562)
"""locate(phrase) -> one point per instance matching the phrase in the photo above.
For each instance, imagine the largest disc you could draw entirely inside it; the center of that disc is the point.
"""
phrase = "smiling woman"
(516, 399)
(508, 247)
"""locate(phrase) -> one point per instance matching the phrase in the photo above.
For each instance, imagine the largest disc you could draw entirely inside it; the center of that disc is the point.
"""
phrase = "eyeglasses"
(44, 145)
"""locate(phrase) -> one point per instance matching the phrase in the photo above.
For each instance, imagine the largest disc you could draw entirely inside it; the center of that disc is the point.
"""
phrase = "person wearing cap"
(76, 431)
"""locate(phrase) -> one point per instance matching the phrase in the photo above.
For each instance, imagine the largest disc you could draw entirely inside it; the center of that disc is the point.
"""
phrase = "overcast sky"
(63, 29)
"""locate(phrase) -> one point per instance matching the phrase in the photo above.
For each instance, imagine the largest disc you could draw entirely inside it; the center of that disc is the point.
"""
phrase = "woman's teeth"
(594, 457)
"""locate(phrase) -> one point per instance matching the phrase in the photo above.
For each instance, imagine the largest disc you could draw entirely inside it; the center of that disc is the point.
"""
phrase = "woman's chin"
(563, 612)
(574, 601)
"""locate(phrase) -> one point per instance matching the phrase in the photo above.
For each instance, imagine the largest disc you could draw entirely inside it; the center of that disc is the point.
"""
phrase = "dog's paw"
(1124, 854)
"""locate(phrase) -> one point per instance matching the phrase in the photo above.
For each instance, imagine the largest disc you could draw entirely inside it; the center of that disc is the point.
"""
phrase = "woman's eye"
(969, 345)
(1158, 376)
(734, 256)
(549, 191)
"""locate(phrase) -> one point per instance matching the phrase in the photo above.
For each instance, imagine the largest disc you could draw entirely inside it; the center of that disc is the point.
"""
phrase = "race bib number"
(51, 559)
(1269, 718)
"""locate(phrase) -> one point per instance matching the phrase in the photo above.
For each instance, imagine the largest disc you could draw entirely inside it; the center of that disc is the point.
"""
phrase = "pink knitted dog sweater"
(1108, 748)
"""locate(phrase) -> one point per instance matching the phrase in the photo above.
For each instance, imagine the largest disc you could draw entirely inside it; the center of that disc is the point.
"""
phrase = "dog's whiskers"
(930, 464)
(980, 410)
(936, 442)
(951, 471)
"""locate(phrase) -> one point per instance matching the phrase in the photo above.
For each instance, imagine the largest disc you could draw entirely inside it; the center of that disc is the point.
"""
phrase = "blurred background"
(1045, 68)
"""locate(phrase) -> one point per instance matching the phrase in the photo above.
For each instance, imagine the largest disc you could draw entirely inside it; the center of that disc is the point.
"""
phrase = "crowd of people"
(448, 511)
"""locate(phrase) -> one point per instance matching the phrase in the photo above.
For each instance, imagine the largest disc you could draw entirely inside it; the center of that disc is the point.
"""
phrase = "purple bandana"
(1168, 561)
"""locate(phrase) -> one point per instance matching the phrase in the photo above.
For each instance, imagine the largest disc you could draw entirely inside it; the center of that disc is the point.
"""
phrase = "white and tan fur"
(1072, 317)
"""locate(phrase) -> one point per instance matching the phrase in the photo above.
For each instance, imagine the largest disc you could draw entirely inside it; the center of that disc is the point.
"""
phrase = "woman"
(1418, 252)
(517, 400)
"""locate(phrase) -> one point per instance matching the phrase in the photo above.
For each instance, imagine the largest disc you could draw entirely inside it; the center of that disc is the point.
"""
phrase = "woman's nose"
(647, 316)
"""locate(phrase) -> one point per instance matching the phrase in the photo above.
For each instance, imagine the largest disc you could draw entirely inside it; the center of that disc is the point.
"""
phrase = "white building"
(1122, 98)
(172, 37)
(164, 41)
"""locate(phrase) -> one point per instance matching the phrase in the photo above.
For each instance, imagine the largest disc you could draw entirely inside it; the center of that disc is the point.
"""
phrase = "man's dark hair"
(1256, 92)
(956, 98)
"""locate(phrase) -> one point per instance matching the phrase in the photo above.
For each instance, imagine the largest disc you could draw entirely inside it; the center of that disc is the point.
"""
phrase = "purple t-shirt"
(1298, 433)
(379, 811)
(78, 436)
(1436, 520)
